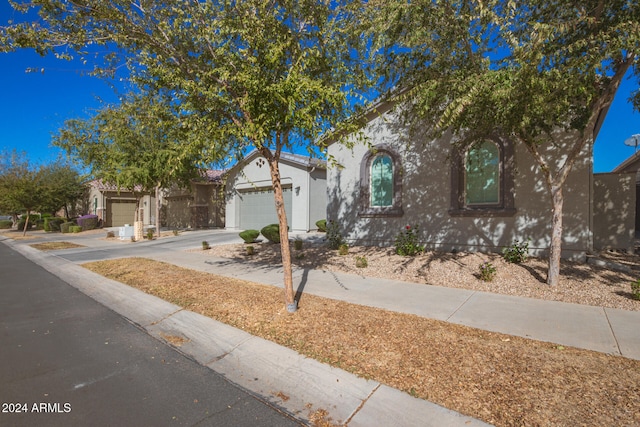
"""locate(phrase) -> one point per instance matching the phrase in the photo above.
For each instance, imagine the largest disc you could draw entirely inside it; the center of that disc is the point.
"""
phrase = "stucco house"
(117, 207)
(481, 197)
(250, 202)
(199, 206)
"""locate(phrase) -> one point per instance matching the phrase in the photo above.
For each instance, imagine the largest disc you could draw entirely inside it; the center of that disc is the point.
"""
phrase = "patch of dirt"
(54, 246)
(580, 283)
(500, 379)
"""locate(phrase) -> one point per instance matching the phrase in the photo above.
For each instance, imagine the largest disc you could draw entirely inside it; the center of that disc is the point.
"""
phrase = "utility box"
(126, 232)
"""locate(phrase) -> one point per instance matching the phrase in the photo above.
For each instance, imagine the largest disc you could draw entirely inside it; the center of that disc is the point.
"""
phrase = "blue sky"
(33, 106)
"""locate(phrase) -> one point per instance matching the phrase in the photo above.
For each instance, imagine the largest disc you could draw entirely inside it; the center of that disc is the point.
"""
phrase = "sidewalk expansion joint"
(460, 306)
(166, 317)
(365, 400)
(225, 354)
(606, 315)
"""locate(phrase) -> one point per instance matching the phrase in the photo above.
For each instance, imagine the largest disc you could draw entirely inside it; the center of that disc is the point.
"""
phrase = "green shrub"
(53, 223)
(517, 252)
(250, 250)
(75, 229)
(407, 242)
(487, 271)
(64, 227)
(150, 234)
(297, 244)
(5, 224)
(322, 225)
(334, 238)
(249, 236)
(635, 289)
(205, 245)
(361, 262)
(272, 233)
(343, 249)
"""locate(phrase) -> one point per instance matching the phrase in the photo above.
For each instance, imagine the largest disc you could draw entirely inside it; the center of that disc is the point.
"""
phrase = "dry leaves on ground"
(500, 379)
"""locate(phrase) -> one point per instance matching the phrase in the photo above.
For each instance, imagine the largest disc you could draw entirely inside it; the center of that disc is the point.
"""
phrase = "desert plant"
(407, 242)
(297, 244)
(205, 245)
(272, 233)
(487, 271)
(322, 225)
(635, 289)
(176, 232)
(88, 222)
(249, 236)
(150, 234)
(517, 252)
(65, 226)
(250, 250)
(361, 262)
(343, 249)
(110, 234)
(334, 238)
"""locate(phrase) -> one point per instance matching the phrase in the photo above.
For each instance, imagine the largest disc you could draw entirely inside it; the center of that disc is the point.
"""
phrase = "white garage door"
(257, 208)
(122, 212)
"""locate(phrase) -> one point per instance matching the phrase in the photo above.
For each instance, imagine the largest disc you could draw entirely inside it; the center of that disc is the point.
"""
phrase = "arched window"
(381, 181)
(482, 179)
(482, 174)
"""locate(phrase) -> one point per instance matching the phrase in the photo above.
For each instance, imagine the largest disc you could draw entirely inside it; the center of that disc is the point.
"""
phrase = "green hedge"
(75, 229)
(52, 223)
(64, 227)
(322, 225)
(272, 233)
(5, 224)
(249, 236)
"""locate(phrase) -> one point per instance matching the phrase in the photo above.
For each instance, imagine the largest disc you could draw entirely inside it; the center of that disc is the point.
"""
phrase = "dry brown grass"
(54, 246)
(501, 379)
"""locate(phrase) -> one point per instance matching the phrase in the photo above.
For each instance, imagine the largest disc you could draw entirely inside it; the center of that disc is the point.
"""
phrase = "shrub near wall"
(88, 222)
(5, 224)
(53, 224)
(272, 233)
(65, 226)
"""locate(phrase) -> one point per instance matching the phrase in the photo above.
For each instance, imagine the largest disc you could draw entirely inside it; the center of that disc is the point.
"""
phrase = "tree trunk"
(26, 225)
(158, 211)
(555, 249)
(289, 296)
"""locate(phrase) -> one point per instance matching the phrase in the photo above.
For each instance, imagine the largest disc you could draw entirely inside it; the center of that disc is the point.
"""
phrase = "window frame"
(365, 208)
(506, 189)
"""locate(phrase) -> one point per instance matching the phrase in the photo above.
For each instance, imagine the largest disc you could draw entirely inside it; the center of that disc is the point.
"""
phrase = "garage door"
(121, 212)
(258, 208)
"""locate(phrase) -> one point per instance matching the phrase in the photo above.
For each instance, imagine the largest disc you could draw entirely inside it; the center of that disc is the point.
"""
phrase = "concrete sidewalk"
(271, 370)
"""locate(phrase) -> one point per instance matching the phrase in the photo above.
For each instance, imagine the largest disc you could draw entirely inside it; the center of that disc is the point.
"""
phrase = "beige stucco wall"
(426, 196)
(614, 210)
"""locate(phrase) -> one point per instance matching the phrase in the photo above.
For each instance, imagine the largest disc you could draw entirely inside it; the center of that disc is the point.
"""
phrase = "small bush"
(88, 222)
(64, 227)
(52, 223)
(334, 238)
(516, 253)
(75, 229)
(297, 244)
(5, 224)
(322, 225)
(343, 249)
(176, 232)
(249, 236)
(407, 242)
(205, 245)
(361, 262)
(150, 234)
(272, 233)
(250, 250)
(110, 234)
(487, 271)
(635, 289)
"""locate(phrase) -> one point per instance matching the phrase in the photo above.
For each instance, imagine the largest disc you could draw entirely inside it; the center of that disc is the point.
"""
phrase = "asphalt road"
(66, 360)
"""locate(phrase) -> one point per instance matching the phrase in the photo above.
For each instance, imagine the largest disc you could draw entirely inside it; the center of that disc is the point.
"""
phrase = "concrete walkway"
(273, 371)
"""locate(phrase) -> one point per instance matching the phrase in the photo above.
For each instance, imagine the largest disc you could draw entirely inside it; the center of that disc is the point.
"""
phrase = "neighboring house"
(632, 166)
(117, 207)
(250, 199)
(201, 206)
(481, 197)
